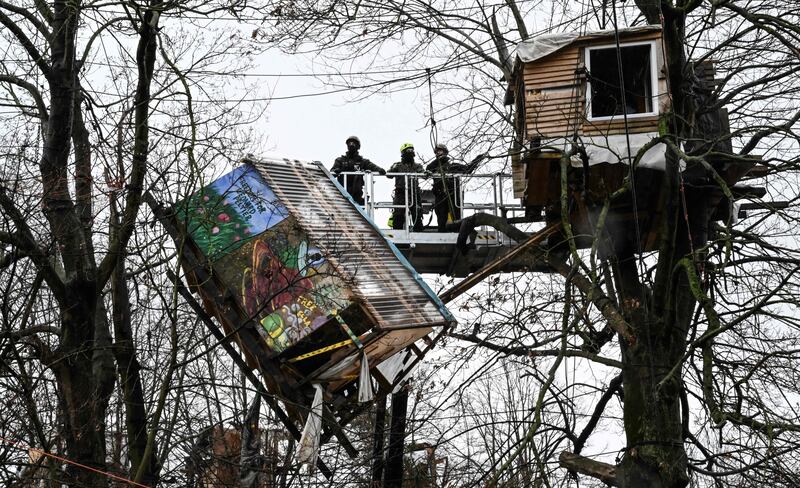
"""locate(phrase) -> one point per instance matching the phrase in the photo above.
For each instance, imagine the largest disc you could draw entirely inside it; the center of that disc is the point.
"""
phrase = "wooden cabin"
(566, 88)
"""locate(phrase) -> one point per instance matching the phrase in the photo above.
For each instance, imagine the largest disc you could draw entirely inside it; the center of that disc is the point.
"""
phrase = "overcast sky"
(315, 127)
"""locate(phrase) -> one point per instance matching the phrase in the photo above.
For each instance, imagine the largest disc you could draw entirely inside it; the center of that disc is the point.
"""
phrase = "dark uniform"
(446, 190)
(352, 161)
(406, 165)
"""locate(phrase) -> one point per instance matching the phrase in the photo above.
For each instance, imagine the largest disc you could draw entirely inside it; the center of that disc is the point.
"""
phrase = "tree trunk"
(79, 390)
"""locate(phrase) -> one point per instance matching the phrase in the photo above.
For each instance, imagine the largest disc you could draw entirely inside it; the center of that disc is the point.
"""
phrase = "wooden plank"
(496, 265)
(572, 114)
(555, 96)
(649, 124)
(563, 64)
(552, 133)
(549, 85)
(566, 52)
(558, 129)
(564, 71)
(545, 110)
(541, 104)
(558, 78)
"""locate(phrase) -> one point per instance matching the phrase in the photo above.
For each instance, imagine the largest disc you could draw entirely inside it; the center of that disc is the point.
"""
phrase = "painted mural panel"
(235, 208)
(263, 256)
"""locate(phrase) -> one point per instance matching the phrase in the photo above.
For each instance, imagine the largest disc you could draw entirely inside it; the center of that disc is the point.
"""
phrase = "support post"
(397, 434)
(377, 442)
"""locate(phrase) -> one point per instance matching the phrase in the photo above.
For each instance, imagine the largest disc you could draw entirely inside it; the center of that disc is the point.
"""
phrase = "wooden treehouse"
(306, 285)
(568, 91)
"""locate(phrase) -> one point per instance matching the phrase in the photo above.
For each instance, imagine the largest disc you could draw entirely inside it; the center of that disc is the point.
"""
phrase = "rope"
(680, 174)
(22, 447)
(632, 176)
(434, 135)
(627, 130)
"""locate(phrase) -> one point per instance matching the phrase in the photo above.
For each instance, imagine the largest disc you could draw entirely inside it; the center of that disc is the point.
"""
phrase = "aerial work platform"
(438, 252)
(433, 252)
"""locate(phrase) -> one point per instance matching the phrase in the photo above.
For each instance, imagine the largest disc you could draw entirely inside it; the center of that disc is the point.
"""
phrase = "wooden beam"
(606, 473)
(497, 265)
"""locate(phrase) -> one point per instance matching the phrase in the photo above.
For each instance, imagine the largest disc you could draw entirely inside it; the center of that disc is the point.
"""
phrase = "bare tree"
(688, 352)
(92, 340)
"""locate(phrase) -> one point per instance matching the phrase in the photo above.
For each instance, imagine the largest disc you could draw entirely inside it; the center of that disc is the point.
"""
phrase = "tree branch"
(595, 294)
(23, 239)
(145, 61)
(29, 16)
(32, 90)
(34, 53)
(531, 352)
(583, 465)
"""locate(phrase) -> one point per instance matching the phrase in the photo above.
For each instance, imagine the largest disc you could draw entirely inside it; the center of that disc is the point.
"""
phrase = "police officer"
(406, 165)
(352, 161)
(446, 190)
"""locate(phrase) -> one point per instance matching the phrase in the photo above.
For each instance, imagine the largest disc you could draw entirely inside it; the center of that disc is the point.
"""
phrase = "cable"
(19, 446)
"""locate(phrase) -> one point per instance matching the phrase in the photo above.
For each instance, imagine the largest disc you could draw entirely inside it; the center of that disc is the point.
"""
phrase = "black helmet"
(354, 139)
(442, 147)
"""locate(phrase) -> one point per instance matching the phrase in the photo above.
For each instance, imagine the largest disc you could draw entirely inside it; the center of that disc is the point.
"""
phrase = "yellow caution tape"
(321, 351)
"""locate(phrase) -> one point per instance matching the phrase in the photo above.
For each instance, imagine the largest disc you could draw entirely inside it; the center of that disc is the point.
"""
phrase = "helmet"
(354, 139)
(442, 147)
(405, 146)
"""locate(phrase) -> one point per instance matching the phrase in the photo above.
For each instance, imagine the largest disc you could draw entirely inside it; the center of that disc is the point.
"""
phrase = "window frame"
(653, 80)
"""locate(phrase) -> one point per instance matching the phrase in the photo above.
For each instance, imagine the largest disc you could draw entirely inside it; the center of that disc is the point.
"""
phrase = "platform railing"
(489, 192)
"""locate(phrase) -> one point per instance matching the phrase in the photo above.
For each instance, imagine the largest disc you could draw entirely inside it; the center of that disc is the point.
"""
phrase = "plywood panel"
(554, 113)
(554, 70)
(617, 126)
(624, 37)
(544, 186)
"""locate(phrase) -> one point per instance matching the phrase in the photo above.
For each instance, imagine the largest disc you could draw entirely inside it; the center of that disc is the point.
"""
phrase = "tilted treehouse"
(307, 286)
(575, 103)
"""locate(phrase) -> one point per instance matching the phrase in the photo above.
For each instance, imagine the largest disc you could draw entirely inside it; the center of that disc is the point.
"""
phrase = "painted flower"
(215, 230)
(223, 217)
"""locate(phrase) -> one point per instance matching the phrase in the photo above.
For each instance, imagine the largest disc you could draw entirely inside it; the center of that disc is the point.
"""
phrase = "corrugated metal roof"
(379, 275)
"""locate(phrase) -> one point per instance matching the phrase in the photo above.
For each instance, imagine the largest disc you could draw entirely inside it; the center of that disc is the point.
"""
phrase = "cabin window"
(605, 98)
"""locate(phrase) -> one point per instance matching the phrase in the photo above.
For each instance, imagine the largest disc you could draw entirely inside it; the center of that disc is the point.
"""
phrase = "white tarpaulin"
(540, 46)
(614, 149)
(308, 447)
(365, 393)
